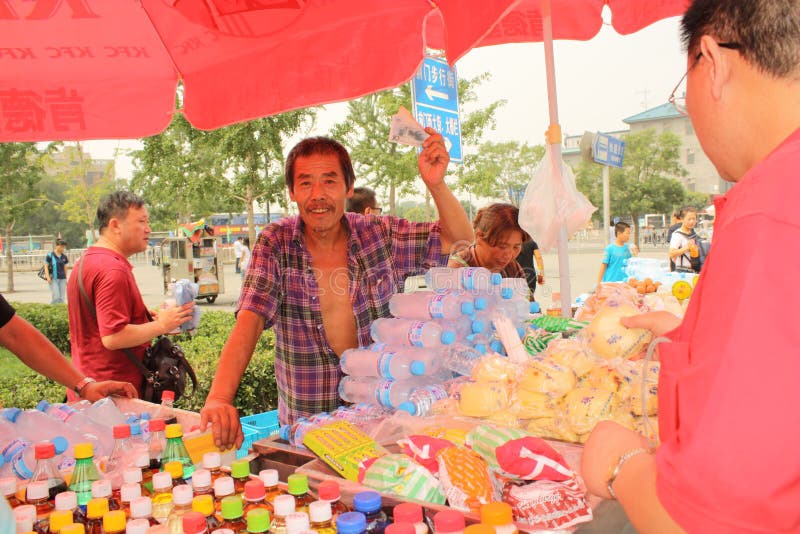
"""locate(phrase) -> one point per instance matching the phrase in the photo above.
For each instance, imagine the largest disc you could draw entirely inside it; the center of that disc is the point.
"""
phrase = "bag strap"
(148, 375)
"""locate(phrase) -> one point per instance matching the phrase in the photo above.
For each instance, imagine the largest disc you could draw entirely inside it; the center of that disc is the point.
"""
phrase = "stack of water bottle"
(432, 336)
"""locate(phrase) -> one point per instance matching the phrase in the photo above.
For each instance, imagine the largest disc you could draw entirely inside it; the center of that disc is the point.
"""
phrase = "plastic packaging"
(460, 359)
(410, 332)
(185, 292)
(469, 278)
(421, 399)
(106, 413)
(394, 365)
(425, 305)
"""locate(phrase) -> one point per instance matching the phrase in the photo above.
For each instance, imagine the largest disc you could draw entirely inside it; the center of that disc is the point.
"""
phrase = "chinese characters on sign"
(608, 150)
(58, 109)
(435, 92)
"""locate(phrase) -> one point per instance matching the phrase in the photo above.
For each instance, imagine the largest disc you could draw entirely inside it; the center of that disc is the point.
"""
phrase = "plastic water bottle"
(469, 278)
(365, 362)
(519, 287)
(106, 413)
(421, 399)
(166, 410)
(462, 326)
(79, 427)
(425, 305)
(185, 292)
(410, 332)
(295, 432)
(46, 470)
(388, 393)
(460, 359)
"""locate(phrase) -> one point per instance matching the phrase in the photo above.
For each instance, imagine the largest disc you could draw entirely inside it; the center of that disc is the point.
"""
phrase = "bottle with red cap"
(400, 528)
(270, 479)
(68, 500)
(156, 445)
(255, 497)
(46, 470)
(449, 522)
(37, 495)
(121, 455)
(329, 491)
(194, 523)
(166, 410)
(409, 512)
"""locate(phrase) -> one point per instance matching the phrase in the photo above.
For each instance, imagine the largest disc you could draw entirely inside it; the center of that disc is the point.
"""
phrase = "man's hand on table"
(224, 421)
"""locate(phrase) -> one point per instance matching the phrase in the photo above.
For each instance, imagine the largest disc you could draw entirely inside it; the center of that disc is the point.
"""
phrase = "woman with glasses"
(498, 241)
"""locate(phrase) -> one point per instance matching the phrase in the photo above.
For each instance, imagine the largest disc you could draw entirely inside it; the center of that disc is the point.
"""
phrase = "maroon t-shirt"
(110, 285)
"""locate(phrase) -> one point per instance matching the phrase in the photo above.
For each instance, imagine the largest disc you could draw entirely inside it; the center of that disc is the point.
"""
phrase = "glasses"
(679, 102)
(375, 211)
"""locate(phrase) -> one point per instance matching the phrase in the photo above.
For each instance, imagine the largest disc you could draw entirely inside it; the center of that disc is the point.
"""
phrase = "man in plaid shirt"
(322, 277)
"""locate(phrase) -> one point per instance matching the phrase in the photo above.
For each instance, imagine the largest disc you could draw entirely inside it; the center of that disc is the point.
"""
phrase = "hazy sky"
(598, 83)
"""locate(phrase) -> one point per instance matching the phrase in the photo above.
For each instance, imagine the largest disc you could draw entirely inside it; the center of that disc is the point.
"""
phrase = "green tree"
(500, 170)
(384, 165)
(645, 183)
(20, 172)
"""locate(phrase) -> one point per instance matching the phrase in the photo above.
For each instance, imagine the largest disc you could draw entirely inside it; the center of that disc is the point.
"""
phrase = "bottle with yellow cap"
(176, 470)
(233, 515)
(114, 522)
(84, 474)
(175, 450)
(257, 521)
(240, 471)
(59, 519)
(479, 528)
(68, 500)
(298, 488)
(95, 510)
(205, 505)
(75, 528)
(498, 515)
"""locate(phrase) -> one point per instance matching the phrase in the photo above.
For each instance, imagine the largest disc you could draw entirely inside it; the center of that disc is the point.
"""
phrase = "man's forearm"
(456, 226)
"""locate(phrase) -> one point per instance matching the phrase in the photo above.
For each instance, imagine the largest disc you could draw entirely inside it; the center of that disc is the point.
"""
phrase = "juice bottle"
(351, 523)
(127, 494)
(223, 487)
(138, 526)
(176, 470)
(176, 450)
(329, 491)
(84, 474)
(69, 501)
(255, 497)
(8, 487)
(133, 475)
(25, 517)
(201, 482)
(298, 488)
(162, 498)
(142, 509)
(142, 462)
(233, 515)
(59, 519)
(270, 479)
(95, 510)
(297, 522)
(37, 495)
(319, 512)
(213, 462)
(182, 503)
(240, 471)
(257, 521)
(284, 505)
(369, 504)
(75, 528)
(101, 489)
(193, 523)
(449, 522)
(205, 505)
(409, 512)
(114, 522)
(400, 528)
(46, 470)
(498, 515)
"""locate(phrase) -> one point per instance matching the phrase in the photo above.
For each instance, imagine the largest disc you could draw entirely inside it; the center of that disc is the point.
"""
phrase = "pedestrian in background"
(363, 201)
(527, 255)
(237, 253)
(245, 259)
(55, 268)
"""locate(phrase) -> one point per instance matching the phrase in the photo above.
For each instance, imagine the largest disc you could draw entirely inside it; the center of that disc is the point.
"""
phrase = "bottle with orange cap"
(75, 528)
(114, 522)
(205, 505)
(240, 472)
(255, 496)
(84, 474)
(500, 516)
(95, 510)
(479, 528)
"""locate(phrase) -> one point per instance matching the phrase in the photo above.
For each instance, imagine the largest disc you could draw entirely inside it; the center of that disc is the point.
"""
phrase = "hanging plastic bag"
(548, 203)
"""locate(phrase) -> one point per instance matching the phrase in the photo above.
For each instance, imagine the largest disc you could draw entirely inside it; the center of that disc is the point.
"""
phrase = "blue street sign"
(608, 150)
(434, 89)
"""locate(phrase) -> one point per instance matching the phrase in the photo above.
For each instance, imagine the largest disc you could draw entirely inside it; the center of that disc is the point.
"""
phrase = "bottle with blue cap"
(369, 503)
(382, 391)
(410, 332)
(421, 399)
(393, 364)
(460, 359)
(425, 305)
(351, 523)
(469, 278)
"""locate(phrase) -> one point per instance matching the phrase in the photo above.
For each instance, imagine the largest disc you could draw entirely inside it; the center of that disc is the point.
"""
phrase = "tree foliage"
(645, 183)
(500, 170)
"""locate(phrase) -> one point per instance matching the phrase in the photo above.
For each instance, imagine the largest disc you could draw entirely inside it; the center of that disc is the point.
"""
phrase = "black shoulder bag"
(165, 366)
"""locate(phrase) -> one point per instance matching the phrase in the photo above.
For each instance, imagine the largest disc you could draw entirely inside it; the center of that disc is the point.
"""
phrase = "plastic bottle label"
(415, 333)
(64, 412)
(467, 277)
(384, 363)
(383, 393)
(15, 455)
(436, 306)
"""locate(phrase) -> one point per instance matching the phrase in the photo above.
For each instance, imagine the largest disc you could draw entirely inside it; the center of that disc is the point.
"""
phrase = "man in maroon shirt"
(119, 320)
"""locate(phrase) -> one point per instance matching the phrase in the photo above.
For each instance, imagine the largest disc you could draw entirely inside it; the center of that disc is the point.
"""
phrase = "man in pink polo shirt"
(728, 395)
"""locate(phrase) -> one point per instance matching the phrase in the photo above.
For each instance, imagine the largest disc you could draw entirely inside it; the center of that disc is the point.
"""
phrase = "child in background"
(613, 264)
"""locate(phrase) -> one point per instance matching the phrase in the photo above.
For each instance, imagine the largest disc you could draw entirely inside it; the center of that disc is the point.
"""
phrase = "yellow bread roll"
(584, 408)
(526, 404)
(482, 399)
(609, 339)
(546, 376)
(571, 353)
(550, 428)
(494, 369)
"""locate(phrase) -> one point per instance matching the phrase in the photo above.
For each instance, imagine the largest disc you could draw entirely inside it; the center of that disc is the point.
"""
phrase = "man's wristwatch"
(82, 384)
(614, 473)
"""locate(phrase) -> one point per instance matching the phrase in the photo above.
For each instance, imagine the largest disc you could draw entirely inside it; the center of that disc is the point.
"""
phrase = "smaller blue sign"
(607, 150)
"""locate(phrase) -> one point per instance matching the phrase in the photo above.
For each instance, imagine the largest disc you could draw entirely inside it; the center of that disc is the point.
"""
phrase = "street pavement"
(584, 264)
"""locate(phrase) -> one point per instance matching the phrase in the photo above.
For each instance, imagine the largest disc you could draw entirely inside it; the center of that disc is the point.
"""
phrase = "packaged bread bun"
(609, 339)
(482, 399)
(546, 376)
(584, 408)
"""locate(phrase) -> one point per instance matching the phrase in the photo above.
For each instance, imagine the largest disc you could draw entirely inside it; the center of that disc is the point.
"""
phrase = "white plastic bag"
(548, 203)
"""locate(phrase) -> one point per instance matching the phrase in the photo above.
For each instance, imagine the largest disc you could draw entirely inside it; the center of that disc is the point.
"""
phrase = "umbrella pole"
(554, 140)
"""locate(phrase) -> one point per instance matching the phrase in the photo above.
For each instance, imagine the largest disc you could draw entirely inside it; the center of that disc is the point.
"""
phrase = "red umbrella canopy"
(94, 69)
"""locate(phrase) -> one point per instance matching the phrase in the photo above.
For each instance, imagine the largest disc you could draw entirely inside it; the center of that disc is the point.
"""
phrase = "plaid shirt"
(280, 286)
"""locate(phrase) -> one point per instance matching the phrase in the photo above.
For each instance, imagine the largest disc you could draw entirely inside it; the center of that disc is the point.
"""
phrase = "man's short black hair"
(116, 205)
(60, 241)
(363, 198)
(620, 227)
(320, 145)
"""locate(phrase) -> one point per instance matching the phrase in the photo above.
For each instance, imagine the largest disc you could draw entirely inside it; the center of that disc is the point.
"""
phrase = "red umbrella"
(93, 69)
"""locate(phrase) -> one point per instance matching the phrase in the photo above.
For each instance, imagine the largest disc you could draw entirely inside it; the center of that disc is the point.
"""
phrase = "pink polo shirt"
(729, 392)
